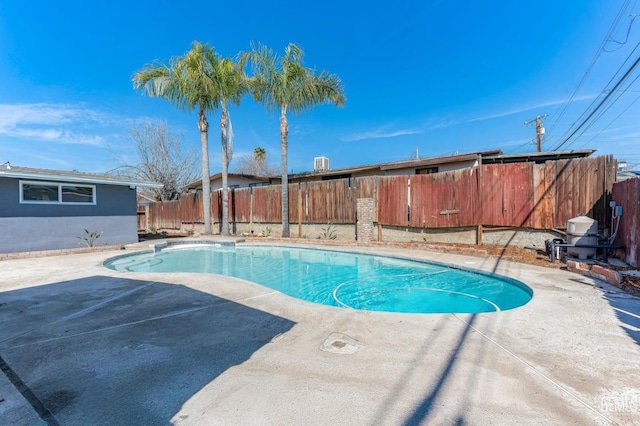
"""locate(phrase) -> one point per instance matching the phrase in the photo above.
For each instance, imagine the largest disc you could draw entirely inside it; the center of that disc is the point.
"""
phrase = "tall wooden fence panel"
(627, 195)
(582, 186)
(166, 215)
(331, 201)
(296, 203)
(507, 195)
(543, 196)
(191, 209)
(443, 200)
(242, 205)
(393, 200)
(267, 204)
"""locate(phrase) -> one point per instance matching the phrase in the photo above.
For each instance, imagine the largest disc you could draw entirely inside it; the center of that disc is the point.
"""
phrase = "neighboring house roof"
(144, 199)
(404, 164)
(198, 183)
(486, 157)
(626, 174)
(536, 157)
(76, 177)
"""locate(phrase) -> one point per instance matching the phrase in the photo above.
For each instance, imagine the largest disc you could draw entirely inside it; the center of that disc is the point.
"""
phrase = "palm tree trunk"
(225, 171)
(203, 126)
(284, 132)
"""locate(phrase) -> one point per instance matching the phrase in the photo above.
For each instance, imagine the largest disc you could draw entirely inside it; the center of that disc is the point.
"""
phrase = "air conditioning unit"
(320, 164)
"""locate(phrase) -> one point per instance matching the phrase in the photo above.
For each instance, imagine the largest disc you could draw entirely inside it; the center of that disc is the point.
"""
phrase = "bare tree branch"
(161, 159)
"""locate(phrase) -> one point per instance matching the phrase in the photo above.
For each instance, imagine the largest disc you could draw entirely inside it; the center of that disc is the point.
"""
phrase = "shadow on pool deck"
(106, 350)
(628, 313)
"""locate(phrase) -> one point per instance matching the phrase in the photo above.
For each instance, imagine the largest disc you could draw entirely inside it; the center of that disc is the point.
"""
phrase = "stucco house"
(234, 180)
(49, 209)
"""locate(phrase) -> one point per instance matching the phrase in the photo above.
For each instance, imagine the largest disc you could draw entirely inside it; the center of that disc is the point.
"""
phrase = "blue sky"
(437, 76)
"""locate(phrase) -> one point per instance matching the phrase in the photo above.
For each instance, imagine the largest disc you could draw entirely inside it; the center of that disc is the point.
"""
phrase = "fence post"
(365, 220)
(299, 210)
(251, 210)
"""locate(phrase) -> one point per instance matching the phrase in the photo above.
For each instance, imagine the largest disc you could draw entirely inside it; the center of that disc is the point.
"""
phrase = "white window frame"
(59, 185)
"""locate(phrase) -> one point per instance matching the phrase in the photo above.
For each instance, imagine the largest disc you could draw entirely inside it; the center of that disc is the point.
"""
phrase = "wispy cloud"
(383, 132)
(57, 123)
(444, 123)
(518, 110)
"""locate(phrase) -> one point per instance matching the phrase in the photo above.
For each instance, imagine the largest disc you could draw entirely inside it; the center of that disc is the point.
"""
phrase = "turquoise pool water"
(343, 279)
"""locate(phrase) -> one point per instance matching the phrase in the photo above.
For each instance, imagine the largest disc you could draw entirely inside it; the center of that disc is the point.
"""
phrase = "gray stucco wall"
(36, 227)
(53, 233)
(111, 200)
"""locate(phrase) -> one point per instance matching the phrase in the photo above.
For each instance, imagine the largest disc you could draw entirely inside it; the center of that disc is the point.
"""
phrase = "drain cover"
(339, 343)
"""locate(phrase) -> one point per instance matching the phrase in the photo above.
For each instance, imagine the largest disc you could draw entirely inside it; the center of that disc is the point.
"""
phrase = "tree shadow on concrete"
(421, 414)
(627, 310)
(104, 350)
(625, 306)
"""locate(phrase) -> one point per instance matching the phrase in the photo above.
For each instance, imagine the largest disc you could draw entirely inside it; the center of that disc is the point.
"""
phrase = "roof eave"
(77, 179)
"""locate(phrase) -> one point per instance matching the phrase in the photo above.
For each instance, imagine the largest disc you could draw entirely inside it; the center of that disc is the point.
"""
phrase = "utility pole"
(539, 129)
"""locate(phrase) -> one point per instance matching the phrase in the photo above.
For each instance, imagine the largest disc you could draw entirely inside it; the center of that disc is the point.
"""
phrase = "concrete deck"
(81, 344)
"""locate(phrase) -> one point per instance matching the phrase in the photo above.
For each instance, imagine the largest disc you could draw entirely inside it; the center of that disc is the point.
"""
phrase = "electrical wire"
(607, 96)
(566, 104)
(612, 121)
(603, 91)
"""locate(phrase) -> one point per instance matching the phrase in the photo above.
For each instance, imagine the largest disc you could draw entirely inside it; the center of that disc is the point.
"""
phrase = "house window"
(427, 171)
(56, 193)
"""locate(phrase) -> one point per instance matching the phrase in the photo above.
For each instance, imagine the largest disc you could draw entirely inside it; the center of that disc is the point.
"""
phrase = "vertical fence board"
(267, 204)
(444, 200)
(627, 195)
(393, 200)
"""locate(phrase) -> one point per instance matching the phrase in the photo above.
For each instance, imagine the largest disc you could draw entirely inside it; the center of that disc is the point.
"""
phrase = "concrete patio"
(81, 344)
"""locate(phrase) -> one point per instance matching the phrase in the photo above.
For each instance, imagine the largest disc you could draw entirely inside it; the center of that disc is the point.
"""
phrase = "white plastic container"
(582, 230)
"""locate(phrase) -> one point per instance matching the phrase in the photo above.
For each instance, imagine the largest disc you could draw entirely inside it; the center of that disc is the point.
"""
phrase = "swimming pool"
(342, 279)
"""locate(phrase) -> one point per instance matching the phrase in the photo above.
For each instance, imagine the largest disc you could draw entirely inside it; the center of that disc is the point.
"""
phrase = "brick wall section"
(365, 211)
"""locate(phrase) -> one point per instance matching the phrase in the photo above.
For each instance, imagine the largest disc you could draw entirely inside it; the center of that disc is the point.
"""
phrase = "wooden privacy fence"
(527, 195)
(627, 195)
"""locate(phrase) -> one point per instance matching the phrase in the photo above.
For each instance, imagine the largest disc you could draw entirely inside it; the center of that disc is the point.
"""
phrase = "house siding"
(111, 200)
(52, 233)
(36, 227)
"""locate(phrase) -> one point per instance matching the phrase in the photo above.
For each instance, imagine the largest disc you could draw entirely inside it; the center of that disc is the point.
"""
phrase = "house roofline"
(538, 157)
(61, 176)
(198, 183)
(394, 165)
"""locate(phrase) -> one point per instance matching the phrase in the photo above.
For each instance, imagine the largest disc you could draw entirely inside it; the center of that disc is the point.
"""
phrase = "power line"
(607, 109)
(601, 92)
(624, 77)
(614, 24)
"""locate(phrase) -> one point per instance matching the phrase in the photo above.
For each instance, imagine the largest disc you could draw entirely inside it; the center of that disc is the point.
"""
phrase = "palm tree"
(283, 82)
(260, 155)
(231, 84)
(199, 80)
